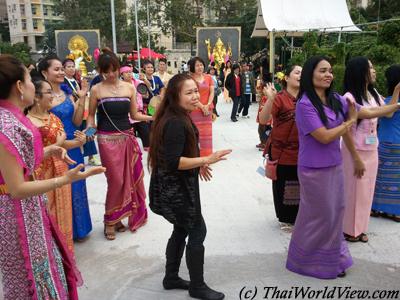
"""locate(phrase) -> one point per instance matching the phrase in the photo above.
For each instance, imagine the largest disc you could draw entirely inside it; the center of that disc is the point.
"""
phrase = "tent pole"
(272, 53)
(137, 35)
(340, 35)
(291, 48)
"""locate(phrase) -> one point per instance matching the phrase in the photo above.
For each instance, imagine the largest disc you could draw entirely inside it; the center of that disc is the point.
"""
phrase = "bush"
(380, 84)
(19, 50)
(338, 75)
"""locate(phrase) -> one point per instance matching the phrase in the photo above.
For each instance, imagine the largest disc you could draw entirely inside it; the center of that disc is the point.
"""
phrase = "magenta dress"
(317, 247)
(121, 156)
(34, 261)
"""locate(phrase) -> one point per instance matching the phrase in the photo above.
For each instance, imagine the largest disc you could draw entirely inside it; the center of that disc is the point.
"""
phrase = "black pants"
(284, 213)
(196, 234)
(244, 104)
(142, 130)
(236, 101)
(215, 101)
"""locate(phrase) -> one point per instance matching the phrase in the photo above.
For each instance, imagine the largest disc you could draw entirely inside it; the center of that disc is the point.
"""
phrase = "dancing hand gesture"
(217, 156)
(75, 174)
(352, 113)
(59, 152)
(270, 91)
(205, 173)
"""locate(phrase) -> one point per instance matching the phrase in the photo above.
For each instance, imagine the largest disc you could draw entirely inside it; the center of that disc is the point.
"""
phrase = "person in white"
(162, 71)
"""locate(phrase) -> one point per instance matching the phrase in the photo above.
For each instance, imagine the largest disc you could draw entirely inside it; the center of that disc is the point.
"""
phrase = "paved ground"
(244, 245)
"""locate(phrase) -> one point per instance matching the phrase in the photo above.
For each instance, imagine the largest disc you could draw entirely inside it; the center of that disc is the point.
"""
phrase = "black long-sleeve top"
(174, 193)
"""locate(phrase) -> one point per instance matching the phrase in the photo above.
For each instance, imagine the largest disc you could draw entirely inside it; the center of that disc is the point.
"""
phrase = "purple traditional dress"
(34, 261)
(317, 247)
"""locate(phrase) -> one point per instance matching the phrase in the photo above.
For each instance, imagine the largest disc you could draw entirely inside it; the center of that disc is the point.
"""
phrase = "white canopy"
(293, 17)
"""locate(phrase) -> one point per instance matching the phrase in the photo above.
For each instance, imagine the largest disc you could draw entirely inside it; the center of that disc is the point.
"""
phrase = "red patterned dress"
(59, 203)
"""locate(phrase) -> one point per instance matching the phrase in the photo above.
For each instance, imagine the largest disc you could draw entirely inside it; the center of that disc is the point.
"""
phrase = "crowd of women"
(323, 186)
(323, 156)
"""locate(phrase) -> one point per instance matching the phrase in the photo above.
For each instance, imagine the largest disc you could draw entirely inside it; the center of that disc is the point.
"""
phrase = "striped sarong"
(387, 188)
(204, 125)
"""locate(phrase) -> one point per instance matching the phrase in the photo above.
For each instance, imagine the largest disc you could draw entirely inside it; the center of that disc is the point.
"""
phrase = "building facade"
(27, 20)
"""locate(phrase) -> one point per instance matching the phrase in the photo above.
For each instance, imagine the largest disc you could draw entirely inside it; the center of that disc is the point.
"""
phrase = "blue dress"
(81, 221)
(387, 186)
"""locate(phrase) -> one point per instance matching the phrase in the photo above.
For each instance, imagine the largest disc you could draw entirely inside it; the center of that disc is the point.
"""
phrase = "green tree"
(48, 43)
(93, 14)
(19, 50)
(387, 9)
(389, 34)
(240, 13)
(4, 32)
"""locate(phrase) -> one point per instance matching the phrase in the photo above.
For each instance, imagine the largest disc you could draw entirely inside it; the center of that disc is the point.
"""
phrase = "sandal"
(119, 227)
(395, 218)
(375, 213)
(360, 238)
(341, 275)
(110, 235)
(286, 227)
(260, 145)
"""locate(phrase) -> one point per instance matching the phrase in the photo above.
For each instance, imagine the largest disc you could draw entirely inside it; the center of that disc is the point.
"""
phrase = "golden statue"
(220, 54)
(78, 47)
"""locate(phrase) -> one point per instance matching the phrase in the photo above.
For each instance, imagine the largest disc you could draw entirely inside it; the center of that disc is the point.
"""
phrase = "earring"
(22, 97)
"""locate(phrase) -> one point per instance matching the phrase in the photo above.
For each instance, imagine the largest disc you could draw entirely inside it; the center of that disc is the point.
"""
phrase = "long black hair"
(171, 109)
(357, 80)
(392, 75)
(307, 87)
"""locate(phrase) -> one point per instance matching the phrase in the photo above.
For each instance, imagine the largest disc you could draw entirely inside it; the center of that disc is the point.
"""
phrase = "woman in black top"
(174, 185)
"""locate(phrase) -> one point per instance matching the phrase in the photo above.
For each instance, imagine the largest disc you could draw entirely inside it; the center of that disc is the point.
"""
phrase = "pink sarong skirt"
(121, 156)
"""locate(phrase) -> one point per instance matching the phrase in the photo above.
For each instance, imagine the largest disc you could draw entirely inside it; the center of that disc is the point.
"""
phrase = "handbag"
(272, 165)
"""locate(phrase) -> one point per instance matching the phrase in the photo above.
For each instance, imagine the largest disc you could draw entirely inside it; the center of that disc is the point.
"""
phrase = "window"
(34, 9)
(25, 39)
(35, 24)
(45, 10)
(22, 9)
(23, 22)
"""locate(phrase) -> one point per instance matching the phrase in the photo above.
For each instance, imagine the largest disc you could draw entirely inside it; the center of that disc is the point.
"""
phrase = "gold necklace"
(44, 119)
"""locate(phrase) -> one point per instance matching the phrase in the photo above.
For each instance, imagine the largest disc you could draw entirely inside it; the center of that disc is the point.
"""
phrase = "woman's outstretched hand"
(217, 156)
(75, 174)
(60, 152)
